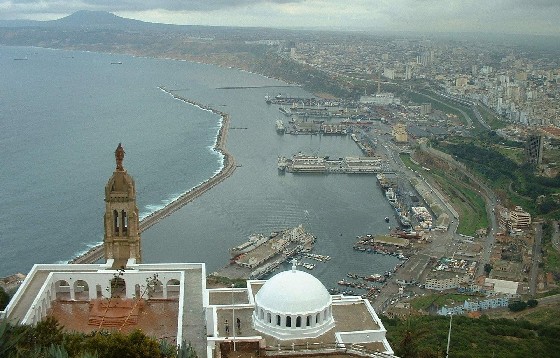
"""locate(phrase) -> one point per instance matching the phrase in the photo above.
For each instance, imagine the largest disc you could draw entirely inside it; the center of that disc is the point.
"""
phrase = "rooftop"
(156, 318)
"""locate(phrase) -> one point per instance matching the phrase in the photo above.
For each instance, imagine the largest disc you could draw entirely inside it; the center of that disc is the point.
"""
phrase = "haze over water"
(63, 114)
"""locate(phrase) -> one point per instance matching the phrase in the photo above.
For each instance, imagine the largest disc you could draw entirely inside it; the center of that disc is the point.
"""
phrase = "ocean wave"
(81, 252)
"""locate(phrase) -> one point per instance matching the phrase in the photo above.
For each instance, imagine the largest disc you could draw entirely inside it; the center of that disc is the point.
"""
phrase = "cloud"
(506, 16)
(57, 6)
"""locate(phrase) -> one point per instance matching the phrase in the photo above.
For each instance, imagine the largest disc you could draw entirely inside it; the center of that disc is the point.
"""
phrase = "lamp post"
(233, 322)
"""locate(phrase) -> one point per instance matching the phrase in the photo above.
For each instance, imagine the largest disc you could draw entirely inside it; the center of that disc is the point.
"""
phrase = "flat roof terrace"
(156, 318)
(348, 318)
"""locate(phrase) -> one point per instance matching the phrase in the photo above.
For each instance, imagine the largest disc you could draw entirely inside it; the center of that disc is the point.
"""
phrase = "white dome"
(293, 292)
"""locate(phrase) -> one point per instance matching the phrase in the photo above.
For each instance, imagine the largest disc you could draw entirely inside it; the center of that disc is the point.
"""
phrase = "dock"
(261, 255)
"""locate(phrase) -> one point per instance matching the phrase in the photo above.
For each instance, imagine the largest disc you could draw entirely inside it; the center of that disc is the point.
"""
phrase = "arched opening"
(317, 317)
(308, 321)
(298, 321)
(137, 291)
(155, 289)
(277, 319)
(62, 289)
(269, 317)
(81, 290)
(118, 287)
(173, 288)
(124, 222)
(288, 321)
(116, 222)
(261, 314)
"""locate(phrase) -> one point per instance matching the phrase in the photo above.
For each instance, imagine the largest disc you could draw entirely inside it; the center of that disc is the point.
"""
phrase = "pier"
(263, 254)
(96, 253)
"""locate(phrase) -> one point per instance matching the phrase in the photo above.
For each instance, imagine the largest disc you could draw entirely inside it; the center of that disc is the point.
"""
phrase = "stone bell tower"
(122, 237)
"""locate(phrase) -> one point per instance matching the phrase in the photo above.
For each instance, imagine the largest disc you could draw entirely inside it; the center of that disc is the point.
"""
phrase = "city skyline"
(502, 16)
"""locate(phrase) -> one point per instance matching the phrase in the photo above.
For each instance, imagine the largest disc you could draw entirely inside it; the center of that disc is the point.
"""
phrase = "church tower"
(122, 237)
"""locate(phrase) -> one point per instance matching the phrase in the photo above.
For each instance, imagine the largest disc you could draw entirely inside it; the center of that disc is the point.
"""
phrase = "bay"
(64, 112)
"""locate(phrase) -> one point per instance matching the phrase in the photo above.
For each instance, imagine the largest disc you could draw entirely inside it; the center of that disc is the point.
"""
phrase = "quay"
(262, 254)
(96, 253)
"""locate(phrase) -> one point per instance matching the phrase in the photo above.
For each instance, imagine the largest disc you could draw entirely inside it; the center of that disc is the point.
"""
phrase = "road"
(533, 276)
(490, 201)
(555, 236)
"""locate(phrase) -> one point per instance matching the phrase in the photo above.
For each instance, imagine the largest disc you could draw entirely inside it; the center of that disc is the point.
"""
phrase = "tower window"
(116, 222)
(124, 219)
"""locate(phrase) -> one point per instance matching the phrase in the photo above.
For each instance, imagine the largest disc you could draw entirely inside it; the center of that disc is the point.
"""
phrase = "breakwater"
(96, 253)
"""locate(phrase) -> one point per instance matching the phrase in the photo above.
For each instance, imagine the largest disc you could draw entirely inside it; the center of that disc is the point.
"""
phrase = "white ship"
(391, 196)
(280, 128)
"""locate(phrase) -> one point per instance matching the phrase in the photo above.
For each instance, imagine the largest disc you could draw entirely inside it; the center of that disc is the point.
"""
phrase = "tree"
(4, 298)
(10, 336)
(186, 351)
(517, 306)
(487, 269)
(532, 303)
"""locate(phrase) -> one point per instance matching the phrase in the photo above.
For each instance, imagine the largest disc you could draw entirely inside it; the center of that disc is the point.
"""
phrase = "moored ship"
(280, 127)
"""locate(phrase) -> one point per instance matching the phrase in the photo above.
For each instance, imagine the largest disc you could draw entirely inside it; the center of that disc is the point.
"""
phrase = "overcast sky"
(501, 16)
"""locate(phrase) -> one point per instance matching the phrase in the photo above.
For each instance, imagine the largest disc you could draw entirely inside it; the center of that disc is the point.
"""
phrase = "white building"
(293, 312)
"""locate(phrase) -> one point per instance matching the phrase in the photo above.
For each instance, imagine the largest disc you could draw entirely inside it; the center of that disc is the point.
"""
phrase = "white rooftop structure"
(49, 285)
(292, 313)
(503, 286)
(293, 304)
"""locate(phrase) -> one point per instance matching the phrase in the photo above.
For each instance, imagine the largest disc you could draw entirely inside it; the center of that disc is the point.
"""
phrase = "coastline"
(96, 253)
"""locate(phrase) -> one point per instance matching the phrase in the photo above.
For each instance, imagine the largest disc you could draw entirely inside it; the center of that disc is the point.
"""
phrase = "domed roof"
(293, 292)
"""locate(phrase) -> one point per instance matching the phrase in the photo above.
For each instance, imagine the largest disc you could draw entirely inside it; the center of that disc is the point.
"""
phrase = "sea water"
(63, 113)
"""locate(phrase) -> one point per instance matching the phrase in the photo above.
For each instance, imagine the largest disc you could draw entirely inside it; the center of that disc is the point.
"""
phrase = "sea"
(63, 113)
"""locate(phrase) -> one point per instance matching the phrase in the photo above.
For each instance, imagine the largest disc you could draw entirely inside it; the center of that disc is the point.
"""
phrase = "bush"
(517, 306)
(532, 303)
(4, 298)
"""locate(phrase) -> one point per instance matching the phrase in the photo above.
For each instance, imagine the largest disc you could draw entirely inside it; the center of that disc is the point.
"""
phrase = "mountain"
(96, 19)
(91, 20)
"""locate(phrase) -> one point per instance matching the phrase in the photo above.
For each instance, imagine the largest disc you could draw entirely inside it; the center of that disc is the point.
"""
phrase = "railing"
(324, 348)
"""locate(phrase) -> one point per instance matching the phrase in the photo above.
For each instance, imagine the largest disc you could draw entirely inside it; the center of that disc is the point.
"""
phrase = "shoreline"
(96, 253)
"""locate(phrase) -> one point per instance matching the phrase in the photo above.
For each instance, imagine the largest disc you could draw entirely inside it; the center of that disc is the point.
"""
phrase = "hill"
(91, 20)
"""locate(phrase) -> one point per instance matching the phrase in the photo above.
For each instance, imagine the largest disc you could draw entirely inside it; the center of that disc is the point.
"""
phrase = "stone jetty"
(96, 253)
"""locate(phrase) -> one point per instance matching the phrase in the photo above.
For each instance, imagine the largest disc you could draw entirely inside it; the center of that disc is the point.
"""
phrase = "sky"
(496, 16)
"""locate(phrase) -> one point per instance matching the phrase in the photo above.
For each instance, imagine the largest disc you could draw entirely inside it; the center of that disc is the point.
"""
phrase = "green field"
(424, 302)
(426, 336)
(466, 201)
